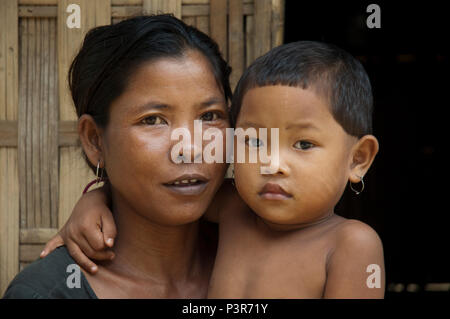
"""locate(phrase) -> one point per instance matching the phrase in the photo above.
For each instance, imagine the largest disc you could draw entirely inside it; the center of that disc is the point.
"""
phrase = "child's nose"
(278, 166)
(282, 169)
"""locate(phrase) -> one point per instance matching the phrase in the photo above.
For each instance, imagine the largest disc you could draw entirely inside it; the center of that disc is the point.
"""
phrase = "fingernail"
(94, 268)
(110, 241)
(42, 253)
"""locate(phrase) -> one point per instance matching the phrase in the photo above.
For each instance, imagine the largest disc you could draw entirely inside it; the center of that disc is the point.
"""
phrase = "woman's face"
(161, 96)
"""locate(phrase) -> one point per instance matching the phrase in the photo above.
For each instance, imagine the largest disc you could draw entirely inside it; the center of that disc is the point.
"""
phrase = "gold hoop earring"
(362, 187)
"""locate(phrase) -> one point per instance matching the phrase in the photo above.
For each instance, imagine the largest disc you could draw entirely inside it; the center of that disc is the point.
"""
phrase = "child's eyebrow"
(249, 124)
(302, 125)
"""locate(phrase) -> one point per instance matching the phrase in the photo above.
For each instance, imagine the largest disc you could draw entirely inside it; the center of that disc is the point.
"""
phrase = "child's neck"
(292, 227)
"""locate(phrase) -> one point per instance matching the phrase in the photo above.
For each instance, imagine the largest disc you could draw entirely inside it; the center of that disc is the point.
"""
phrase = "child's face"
(314, 152)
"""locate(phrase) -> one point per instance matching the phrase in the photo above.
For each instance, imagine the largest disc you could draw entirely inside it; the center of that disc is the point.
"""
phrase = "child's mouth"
(273, 191)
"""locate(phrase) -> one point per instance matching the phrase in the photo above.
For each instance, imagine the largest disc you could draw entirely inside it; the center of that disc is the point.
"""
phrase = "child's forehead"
(284, 103)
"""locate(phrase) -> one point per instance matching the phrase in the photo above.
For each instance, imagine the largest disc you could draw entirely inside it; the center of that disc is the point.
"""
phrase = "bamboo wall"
(42, 172)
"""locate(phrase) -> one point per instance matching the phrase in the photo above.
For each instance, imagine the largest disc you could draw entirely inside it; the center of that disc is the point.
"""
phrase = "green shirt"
(53, 277)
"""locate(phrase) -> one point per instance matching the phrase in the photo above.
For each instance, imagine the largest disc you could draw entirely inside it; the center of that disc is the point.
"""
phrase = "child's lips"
(274, 191)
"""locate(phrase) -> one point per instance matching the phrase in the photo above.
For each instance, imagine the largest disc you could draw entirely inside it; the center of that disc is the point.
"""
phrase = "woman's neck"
(148, 251)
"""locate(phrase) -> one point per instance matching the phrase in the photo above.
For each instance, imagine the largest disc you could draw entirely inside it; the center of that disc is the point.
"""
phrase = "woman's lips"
(273, 191)
(188, 184)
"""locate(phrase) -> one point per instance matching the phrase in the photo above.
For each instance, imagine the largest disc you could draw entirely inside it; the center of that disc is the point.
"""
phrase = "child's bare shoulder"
(356, 236)
(357, 248)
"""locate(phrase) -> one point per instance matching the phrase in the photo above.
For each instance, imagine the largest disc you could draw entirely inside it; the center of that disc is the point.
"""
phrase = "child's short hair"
(325, 68)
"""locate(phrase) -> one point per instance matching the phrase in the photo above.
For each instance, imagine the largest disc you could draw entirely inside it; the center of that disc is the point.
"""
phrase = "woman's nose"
(186, 146)
(191, 153)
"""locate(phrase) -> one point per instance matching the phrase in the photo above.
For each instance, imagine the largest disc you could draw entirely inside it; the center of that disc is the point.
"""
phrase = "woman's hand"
(89, 232)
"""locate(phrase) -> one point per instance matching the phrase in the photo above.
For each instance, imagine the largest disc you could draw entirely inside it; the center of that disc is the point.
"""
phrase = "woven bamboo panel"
(42, 172)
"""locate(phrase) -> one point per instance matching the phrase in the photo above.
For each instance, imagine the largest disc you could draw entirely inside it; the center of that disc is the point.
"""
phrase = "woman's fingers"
(108, 229)
(52, 244)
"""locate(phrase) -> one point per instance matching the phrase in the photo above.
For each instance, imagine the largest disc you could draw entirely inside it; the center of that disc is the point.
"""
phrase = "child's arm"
(356, 267)
(91, 228)
(88, 232)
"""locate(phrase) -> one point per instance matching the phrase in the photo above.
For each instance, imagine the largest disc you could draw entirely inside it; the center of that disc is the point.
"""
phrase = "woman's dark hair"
(110, 54)
(325, 68)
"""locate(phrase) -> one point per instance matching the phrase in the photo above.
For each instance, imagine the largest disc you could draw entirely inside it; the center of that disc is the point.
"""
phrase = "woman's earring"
(232, 176)
(99, 177)
(362, 187)
(95, 181)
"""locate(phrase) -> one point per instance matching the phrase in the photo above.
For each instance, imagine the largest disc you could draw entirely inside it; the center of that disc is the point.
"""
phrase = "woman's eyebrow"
(212, 101)
(152, 105)
(155, 105)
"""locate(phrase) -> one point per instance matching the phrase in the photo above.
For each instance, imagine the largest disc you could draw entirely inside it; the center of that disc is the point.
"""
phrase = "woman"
(132, 84)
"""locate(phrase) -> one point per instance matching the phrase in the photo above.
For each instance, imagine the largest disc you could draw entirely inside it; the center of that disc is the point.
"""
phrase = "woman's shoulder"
(55, 276)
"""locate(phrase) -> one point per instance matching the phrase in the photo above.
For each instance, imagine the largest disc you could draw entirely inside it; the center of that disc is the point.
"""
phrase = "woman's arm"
(356, 267)
(89, 231)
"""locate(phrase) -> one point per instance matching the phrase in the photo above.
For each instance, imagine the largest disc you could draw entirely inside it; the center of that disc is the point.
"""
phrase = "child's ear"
(363, 154)
(91, 139)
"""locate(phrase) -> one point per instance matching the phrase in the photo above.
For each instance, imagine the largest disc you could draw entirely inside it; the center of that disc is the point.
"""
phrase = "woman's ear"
(91, 139)
(363, 154)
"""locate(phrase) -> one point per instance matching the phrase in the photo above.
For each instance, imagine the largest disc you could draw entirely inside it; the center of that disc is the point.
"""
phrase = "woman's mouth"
(273, 191)
(187, 184)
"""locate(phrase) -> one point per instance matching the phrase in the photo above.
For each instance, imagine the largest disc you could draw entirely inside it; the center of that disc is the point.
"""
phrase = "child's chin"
(277, 217)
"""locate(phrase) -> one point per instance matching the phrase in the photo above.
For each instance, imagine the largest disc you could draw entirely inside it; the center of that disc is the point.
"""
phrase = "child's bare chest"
(254, 264)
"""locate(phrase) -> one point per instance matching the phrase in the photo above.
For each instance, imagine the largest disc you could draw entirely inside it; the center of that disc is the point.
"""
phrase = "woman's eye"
(254, 142)
(153, 120)
(210, 116)
(303, 145)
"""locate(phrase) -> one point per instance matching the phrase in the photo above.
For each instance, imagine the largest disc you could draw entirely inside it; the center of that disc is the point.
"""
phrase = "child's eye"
(303, 145)
(210, 116)
(153, 120)
(254, 142)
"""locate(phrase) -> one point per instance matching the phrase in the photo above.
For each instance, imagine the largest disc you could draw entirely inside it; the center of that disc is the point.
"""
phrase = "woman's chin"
(179, 216)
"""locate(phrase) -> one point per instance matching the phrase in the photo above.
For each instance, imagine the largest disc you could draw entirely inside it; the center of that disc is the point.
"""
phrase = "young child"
(278, 234)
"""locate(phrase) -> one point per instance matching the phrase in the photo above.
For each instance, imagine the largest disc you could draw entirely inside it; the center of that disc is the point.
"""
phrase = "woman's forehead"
(192, 68)
(172, 81)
